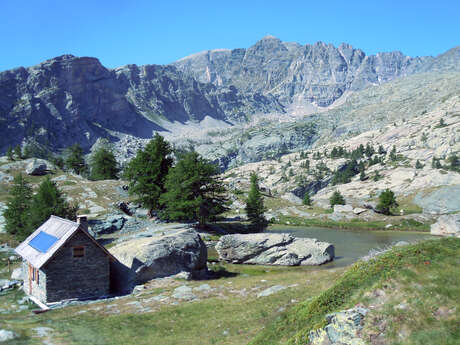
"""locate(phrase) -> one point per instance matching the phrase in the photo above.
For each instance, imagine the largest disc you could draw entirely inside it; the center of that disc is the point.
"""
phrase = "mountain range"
(68, 99)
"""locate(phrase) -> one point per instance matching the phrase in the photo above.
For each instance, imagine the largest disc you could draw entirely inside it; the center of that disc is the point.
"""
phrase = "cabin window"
(78, 252)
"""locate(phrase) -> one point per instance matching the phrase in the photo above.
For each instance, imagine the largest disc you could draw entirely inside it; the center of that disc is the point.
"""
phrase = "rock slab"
(342, 328)
(143, 259)
(447, 225)
(37, 167)
(273, 249)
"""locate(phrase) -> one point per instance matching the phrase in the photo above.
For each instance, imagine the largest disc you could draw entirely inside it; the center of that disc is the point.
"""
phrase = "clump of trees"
(147, 172)
(255, 206)
(190, 190)
(336, 199)
(103, 164)
(307, 199)
(193, 191)
(387, 201)
(75, 159)
(26, 211)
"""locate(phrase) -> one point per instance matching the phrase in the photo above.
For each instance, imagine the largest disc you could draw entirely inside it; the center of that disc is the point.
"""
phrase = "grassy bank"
(230, 313)
(424, 276)
(356, 224)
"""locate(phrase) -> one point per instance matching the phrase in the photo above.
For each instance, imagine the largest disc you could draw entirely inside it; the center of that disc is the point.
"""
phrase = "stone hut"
(61, 260)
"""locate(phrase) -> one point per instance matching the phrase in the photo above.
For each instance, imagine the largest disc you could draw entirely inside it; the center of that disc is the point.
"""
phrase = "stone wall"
(77, 277)
(38, 290)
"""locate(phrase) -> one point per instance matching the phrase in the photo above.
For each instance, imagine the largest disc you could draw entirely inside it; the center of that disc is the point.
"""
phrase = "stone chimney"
(83, 221)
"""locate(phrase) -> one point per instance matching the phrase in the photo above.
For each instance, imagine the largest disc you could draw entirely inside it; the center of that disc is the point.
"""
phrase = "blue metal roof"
(42, 242)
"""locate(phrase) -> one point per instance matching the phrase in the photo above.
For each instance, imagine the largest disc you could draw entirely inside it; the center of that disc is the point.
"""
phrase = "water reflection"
(350, 245)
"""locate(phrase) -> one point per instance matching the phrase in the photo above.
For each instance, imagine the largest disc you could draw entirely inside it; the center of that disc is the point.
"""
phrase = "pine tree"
(10, 153)
(454, 162)
(255, 206)
(387, 200)
(306, 199)
(336, 199)
(75, 160)
(147, 172)
(382, 150)
(18, 208)
(48, 201)
(418, 165)
(362, 176)
(103, 165)
(18, 152)
(194, 192)
(393, 156)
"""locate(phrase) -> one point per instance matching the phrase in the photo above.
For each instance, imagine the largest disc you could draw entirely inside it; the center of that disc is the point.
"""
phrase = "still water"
(350, 245)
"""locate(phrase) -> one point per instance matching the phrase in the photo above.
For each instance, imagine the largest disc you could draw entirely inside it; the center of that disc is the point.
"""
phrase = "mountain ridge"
(70, 99)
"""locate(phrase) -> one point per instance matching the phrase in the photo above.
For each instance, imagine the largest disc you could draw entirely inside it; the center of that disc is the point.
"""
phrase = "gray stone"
(271, 290)
(203, 288)
(183, 292)
(273, 249)
(291, 197)
(37, 167)
(443, 200)
(6, 335)
(17, 274)
(42, 331)
(342, 328)
(343, 208)
(111, 224)
(158, 256)
(359, 210)
(447, 225)
(182, 275)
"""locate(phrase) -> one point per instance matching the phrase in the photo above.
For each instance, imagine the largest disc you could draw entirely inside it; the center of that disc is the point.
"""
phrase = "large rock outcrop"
(447, 225)
(273, 249)
(146, 258)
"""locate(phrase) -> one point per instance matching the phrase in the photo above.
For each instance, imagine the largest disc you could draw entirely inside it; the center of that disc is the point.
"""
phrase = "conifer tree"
(306, 199)
(18, 208)
(147, 172)
(255, 205)
(454, 162)
(418, 165)
(75, 160)
(194, 192)
(48, 201)
(10, 154)
(387, 200)
(336, 199)
(103, 165)
(18, 152)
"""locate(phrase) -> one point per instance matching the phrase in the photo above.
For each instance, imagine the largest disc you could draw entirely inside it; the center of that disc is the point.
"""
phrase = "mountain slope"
(69, 99)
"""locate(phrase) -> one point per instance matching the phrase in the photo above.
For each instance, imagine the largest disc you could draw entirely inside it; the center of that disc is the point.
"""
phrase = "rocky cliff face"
(318, 73)
(69, 99)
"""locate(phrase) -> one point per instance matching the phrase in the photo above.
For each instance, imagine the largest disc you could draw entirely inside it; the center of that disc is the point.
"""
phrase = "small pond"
(350, 245)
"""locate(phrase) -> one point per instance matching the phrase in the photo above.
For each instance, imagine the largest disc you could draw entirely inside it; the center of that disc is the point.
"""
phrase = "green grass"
(231, 315)
(357, 224)
(437, 259)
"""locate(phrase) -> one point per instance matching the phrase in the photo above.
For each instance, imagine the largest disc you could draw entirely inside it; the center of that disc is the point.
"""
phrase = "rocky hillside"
(70, 99)
(371, 109)
(419, 187)
(314, 73)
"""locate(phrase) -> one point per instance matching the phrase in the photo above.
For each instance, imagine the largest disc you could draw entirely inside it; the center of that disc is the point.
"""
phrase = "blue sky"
(158, 32)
